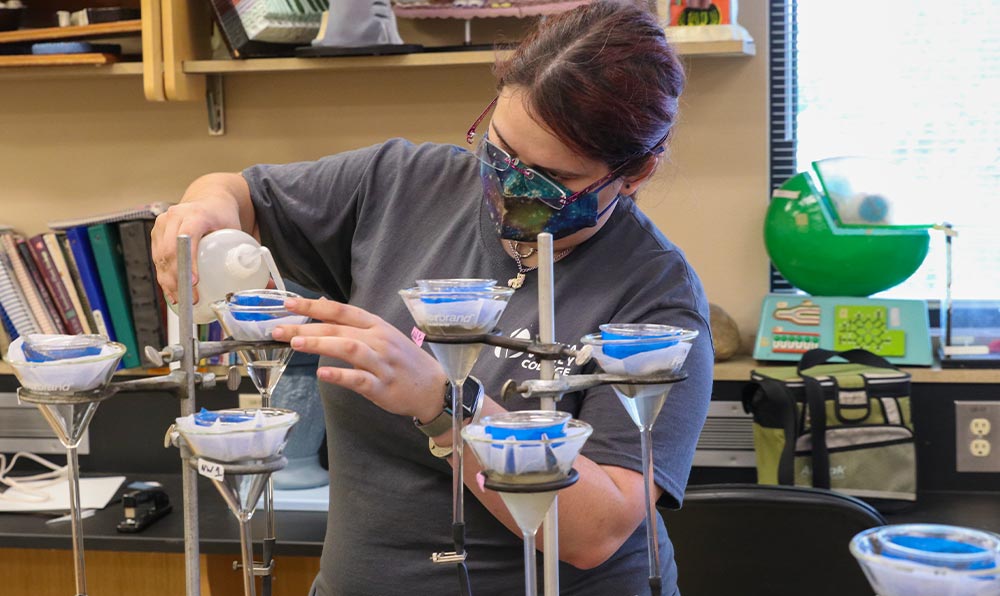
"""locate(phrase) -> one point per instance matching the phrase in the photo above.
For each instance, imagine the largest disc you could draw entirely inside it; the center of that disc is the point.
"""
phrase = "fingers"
(358, 381)
(287, 332)
(168, 227)
(163, 253)
(352, 351)
(329, 311)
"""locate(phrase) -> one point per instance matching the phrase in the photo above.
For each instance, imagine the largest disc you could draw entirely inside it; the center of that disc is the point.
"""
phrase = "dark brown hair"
(603, 78)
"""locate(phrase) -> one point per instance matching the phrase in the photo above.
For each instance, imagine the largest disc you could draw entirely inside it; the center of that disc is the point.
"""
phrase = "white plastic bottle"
(230, 261)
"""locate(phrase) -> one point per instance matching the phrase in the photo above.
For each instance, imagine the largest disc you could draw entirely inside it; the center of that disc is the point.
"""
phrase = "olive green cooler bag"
(843, 426)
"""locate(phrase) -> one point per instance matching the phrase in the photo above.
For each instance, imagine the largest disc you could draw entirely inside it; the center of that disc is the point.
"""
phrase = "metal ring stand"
(241, 484)
(539, 487)
(181, 383)
(70, 426)
(550, 389)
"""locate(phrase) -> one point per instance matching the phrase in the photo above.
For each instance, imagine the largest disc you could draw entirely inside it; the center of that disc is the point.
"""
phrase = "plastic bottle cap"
(243, 260)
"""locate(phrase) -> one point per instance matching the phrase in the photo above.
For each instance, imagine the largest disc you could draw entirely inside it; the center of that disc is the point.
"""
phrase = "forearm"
(228, 195)
(596, 515)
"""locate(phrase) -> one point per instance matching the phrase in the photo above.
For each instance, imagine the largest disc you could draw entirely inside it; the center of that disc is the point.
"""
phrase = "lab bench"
(35, 557)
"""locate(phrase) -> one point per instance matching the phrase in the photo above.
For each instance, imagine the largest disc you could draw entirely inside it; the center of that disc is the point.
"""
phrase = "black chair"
(754, 540)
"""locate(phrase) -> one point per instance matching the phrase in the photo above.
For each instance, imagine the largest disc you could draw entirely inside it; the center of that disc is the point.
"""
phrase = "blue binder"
(79, 243)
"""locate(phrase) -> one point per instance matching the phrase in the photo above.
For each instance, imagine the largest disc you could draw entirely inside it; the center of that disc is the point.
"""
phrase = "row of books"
(89, 275)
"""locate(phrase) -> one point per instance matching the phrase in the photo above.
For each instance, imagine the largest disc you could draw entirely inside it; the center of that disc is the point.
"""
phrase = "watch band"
(471, 408)
(437, 450)
(440, 425)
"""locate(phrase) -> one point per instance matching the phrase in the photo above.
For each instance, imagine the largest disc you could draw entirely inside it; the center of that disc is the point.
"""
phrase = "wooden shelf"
(457, 58)
(722, 48)
(341, 63)
(77, 32)
(730, 48)
(28, 60)
(128, 69)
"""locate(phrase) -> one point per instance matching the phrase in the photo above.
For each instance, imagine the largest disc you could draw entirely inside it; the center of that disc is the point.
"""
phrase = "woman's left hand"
(389, 369)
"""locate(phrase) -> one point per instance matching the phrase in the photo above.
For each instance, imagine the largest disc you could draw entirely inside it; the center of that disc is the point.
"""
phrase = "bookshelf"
(712, 49)
(118, 69)
(75, 32)
(695, 49)
(175, 39)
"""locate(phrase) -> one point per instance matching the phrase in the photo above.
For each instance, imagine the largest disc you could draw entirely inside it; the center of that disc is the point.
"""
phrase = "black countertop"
(301, 533)
(960, 508)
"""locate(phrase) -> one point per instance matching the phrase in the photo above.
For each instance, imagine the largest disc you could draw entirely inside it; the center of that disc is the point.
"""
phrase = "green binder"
(111, 269)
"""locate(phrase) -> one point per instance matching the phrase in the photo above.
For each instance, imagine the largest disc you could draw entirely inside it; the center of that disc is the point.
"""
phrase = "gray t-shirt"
(361, 225)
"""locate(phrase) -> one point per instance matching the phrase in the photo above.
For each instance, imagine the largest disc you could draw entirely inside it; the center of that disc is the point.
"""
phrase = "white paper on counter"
(95, 493)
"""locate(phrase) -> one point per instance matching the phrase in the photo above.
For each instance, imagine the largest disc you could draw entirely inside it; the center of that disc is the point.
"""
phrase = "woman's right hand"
(195, 217)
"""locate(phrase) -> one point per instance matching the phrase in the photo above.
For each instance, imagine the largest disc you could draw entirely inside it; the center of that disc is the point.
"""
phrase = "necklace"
(518, 280)
(513, 248)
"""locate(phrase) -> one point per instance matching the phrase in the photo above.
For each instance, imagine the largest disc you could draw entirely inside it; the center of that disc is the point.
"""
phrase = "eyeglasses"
(552, 193)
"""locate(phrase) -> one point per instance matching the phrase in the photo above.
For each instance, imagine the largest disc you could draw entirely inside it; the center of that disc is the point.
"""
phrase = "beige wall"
(75, 146)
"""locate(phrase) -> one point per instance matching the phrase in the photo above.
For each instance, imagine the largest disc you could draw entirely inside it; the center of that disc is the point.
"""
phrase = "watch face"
(472, 393)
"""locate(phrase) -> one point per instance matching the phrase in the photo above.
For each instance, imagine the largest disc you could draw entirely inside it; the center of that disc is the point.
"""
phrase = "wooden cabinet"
(176, 58)
(43, 572)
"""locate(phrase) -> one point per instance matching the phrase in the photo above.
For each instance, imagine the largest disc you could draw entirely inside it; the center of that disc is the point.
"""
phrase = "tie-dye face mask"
(523, 202)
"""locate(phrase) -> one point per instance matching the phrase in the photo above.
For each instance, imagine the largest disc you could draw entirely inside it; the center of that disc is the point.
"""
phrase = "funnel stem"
(267, 552)
(458, 488)
(265, 402)
(79, 570)
(652, 543)
(530, 565)
(246, 546)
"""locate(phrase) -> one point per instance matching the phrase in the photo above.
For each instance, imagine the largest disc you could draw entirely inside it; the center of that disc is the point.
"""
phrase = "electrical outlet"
(980, 426)
(974, 437)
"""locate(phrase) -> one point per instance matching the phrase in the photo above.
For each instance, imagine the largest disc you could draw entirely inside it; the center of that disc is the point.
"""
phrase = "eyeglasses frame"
(529, 173)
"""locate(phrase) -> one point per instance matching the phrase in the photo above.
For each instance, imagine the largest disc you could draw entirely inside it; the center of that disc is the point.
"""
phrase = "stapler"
(143, 503)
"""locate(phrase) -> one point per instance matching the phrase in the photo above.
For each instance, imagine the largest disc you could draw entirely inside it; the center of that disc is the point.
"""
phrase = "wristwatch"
(472, 405)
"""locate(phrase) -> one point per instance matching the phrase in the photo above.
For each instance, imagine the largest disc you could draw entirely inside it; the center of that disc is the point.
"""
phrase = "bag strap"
(776, 391)
(819, 356)
(817, 426)
(817, 404)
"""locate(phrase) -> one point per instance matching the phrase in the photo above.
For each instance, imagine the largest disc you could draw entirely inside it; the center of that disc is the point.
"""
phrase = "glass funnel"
(455, 309)
(237, 450)
(643, 350)
(929, 560)
(64, 364)
(251, 316)
(237, 434)
(67, 377)
(528, 457)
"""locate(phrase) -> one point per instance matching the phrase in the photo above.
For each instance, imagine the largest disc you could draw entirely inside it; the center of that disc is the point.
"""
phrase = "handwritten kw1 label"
(210, 469)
